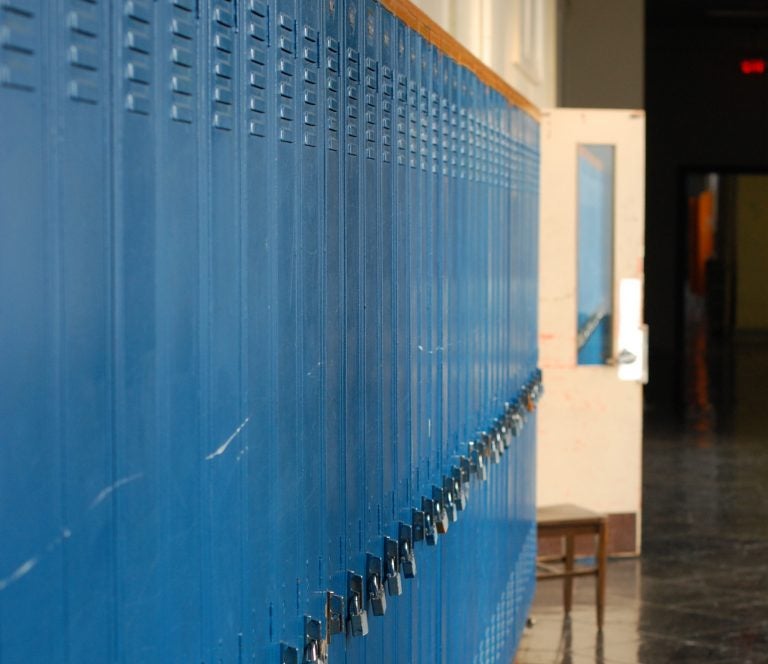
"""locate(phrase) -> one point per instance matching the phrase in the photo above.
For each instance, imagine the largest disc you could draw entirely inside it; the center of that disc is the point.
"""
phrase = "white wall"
(515, 38)
(589, 423)
(601, 53)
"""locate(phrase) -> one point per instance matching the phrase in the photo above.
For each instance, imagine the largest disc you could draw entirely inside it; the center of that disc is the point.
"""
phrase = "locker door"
(332, 96)
(371, 303)
(260, 486)
(310, 371)
(31, 507)
(402, 313)
(181, 450)
(80, 111)
(283, 193)
(354, 340)
(390, 442)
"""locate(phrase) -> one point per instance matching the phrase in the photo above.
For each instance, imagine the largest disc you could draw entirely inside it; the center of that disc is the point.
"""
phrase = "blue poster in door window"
(595, 253)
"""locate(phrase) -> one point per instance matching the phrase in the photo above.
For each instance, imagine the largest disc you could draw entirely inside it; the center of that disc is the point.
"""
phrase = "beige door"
(592, 340)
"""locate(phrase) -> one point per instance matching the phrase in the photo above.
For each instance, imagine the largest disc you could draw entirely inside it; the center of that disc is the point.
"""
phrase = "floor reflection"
(700, 591)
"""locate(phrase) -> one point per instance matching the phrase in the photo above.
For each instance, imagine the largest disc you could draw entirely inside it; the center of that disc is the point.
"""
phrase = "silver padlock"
(466, 471)
(394, 580)
(430, 532)
(516, 422)
(458, 491)
(528, 401)
(472, 459)
(315, 645)
(482, 472)
(407, 559)
(311, 653)
(449, 495)
(417, 517)
(451, 511)
(502, 434)
(357, 620)
(440, 513)
(493, 447)
(376, 595)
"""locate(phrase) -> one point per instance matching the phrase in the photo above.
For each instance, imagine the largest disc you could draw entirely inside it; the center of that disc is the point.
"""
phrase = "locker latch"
(419, 522)
(288, 654)
(392, 567)
(407, 555)
(334, 613)
(315, 644)
(376, 595)
(357, 619)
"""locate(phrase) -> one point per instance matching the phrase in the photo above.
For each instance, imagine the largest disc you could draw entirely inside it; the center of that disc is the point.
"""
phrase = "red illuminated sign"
(753, 66)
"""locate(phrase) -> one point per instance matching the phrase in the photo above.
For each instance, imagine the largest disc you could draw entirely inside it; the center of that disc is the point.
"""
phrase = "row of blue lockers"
(268, 279)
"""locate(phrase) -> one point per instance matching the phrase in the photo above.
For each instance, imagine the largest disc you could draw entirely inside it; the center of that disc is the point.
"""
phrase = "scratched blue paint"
(267, 267)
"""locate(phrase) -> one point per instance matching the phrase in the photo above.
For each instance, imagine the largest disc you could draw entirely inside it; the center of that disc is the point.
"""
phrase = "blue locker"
(259, 240)
(138, 459)
(371, 305)
(310, 309)
(406, 457)
(177, 286)
(81, 331)
(334, 109)
(30, 259)
(271, 267)
(355, 379)
(225, 417)
(290, 503)
(388, 441)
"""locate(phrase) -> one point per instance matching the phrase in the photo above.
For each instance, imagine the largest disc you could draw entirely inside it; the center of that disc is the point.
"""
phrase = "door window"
(595, 253)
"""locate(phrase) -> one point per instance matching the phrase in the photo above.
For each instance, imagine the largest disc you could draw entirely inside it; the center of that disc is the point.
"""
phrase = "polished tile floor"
(700, 591)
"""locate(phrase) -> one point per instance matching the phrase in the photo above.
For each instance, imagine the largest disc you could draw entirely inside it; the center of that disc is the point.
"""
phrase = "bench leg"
(601, 572)
(568, 581)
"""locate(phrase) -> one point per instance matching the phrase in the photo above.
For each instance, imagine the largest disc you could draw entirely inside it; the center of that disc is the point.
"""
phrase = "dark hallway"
(698, 594)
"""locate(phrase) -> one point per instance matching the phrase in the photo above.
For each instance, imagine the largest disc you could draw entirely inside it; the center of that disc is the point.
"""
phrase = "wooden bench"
(566, 522)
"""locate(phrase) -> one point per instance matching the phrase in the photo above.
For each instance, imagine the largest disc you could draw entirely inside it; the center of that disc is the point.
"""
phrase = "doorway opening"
(725, 296)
